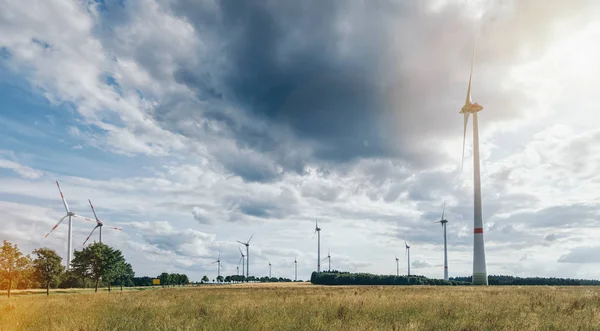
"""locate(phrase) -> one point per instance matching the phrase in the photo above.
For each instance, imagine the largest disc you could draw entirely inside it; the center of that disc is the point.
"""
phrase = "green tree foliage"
(47, 268)
(165, 279)
(346, 278)
(204, 279)
(219, 279)
(97, 261)
(124, 274)
(13, 265)
(142, 281)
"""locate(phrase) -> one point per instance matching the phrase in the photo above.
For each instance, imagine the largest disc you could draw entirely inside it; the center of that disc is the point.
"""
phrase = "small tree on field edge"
(13, 264)
(48, 269)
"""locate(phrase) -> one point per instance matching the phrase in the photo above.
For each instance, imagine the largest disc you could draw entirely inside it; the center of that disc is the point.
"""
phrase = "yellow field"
(308, 307)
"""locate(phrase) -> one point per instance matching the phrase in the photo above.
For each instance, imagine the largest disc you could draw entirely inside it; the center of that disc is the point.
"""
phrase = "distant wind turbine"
(479, 265)
(69, 215)
(397, 266)
(218, 262)
(407, 251)
(295, 269)
(247, 244)
(318, 232)
(269, 268)
(329, 258)
(99, 225)
(443, 221)
(241, 260)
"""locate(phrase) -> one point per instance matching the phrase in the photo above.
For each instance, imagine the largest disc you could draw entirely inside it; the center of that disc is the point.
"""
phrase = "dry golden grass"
(308, 307)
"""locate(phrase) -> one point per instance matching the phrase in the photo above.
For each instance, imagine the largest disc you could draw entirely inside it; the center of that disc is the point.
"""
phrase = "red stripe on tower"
(478, 230)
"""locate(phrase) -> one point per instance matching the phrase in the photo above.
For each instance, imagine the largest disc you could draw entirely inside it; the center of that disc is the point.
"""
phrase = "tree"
(124, 274)
(47, 268)
(165, 279)
(204, 279)
(219, 279)
(12, 265)
(97, 261)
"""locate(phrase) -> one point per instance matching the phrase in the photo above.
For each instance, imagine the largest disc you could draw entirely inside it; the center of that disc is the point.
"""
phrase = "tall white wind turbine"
(69, 215)
(407, 251)
(479, 265)
(295, 269)
(443, 221)
(318, 231)
(397, 266)
(247, 244)
(99, 225)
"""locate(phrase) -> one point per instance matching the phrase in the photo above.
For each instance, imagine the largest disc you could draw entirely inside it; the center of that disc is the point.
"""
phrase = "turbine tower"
(269, 268)
(443, 221)
(295, 269)
(247, 244)
(241, 260)
(70, 215)
(407, 250)
(218, 262)
(329, 258)
(318, 231)
(397, 266)
(479, 265)
(99, 225)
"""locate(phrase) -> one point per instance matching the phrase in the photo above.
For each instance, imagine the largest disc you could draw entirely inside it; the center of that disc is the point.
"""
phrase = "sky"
(192, 124)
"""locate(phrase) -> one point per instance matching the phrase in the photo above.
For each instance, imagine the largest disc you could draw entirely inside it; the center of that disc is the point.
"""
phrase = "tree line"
(346, 278)
(335, 277)
(551, 281)
(93, 266)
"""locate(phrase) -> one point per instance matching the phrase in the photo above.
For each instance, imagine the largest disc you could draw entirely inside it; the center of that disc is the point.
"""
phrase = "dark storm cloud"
(349, 79)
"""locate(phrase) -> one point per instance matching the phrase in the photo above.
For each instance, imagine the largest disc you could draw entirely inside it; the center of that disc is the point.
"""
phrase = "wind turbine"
(479, 265)
(397, 266)
(218, 262)
(247, 244)
(318, 231)
(70, 215)
(329, 258)
(444, 221)
(407, 251)
(241, 260)
(295, 269)
(99, 224)
(269, 268)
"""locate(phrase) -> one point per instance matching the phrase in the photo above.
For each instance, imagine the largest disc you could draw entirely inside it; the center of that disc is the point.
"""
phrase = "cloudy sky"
(195, 123)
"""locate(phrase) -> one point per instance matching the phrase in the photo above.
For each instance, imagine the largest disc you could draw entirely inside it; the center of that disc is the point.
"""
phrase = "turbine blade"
(241, 242)
(466, 114)
(250, 238)
(85, 218)
(93, 211)
(56, 225)
(240, 261)
(88, 237)
(443, 210)
(63, 197)
(111, 227)
(240, 251)
(468, 101)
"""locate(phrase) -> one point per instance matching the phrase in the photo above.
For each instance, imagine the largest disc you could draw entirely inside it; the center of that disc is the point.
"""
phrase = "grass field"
(309, 307)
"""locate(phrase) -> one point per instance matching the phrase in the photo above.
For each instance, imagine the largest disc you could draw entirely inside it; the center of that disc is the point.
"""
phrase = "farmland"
(302, 306)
